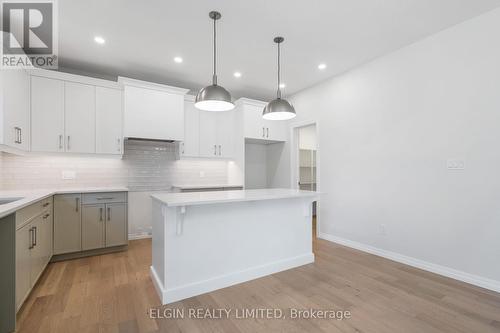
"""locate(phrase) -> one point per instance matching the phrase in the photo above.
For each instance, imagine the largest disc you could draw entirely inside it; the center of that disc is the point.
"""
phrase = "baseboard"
(88, 253)
(140, 235)
(156, 282)
(414, 262)
(201, 287)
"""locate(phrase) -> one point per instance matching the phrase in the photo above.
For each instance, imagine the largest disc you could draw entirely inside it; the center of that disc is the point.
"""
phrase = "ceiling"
(143, 37)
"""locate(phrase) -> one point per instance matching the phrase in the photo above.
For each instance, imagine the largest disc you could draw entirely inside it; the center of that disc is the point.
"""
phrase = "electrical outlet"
(202, 174)
(382, 229)
(455, 164)
(68, 174)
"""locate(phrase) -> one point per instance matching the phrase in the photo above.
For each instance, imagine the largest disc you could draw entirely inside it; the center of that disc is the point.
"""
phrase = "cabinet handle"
(100, 214)
(46, 204)
(267, 132)
(104, 198)
(182, 150)
(119, 148)
(263, 132)
(220, 150)
(46, 215)
(215, 149)
(109, 213)
(18, 135)
(77, 204)
(31, 239)
(60, 141)
(67, 143)
(34, 230)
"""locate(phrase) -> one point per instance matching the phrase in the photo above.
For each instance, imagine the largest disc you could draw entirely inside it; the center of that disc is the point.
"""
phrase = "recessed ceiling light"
(237, 74)
(282, 85)
(321, 66)
(99, 40)
(178, 60)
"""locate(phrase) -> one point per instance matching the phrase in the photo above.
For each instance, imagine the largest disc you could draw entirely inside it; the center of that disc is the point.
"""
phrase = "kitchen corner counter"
(32, 196)
(216, 197)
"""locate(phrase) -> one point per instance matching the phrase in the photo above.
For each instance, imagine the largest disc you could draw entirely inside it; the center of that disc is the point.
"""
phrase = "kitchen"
(239, 170)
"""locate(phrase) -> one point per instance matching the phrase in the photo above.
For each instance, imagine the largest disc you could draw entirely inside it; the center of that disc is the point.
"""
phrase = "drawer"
(104, 197)
(27, 213)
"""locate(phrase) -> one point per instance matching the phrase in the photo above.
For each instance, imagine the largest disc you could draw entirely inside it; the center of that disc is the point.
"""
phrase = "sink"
(4, 201)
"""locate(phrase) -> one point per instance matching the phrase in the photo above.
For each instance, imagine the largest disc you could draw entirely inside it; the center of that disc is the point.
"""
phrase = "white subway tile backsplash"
(144, 166)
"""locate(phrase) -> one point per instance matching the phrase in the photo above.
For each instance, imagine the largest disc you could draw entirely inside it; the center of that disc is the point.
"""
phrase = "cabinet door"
(47, 240)
(23, 263)
(92, 227)
(36, 254)
(191, 144)
(153, 114)
(276, 130)
(225, 134)
(47, 115)
(254, 126)
(67, 223)
(109, 121)
(79, 117)
(16, 108)
(208, 134)
(116, 224)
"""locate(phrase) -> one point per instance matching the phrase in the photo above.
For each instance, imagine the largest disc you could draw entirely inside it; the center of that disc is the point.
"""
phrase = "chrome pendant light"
(214, 97)
(278, 109)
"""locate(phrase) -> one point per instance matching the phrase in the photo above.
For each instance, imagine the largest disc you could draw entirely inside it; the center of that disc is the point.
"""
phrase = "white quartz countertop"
(32, 196)
(216, 197)
(194, 186)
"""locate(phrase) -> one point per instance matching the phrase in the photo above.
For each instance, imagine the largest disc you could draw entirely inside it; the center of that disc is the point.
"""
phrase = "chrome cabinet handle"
(34, 230)
(31, 239)
(67, 143)
(100, 214)
(263, 132)
(77, 204)
(60, 141)
(182, 148)
(220, 150)
(215, 149)
(267, 132)
(18, 135)
(119, 148)
(46, 215)
(109, 213)
(46, 204)
(105, 198)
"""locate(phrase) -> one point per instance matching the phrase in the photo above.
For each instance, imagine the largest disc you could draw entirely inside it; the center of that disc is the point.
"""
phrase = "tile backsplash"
(145, 166)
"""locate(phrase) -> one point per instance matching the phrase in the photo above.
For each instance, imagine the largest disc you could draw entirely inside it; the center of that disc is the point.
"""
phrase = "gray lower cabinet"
(104, 225)
(116, 224)
(67, 223)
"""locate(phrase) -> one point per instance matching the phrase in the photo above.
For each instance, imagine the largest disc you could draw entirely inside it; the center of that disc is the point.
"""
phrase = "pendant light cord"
(214, 77)
(279, 70)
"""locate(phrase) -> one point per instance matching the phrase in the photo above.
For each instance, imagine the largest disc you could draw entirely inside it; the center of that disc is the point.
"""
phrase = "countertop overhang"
(32, 196)
(217, 197)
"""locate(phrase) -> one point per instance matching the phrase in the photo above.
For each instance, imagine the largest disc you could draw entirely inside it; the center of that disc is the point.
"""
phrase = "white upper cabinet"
(256, 127)
(191, 144)
(14, 109)
(217, 134)
(80, 115)
(109, 121)
(153, 111)
(47, 115)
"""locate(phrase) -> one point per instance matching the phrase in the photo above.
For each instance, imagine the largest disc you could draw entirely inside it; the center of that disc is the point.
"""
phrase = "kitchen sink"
(4, 201)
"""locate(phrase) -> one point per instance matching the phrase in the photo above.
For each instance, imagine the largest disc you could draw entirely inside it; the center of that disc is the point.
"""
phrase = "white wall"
(386, 130)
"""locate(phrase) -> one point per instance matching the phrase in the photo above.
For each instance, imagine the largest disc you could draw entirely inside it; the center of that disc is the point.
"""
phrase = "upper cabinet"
(75, 114)
(15, 109)
(257, 128)
(153, 111)
(191, 144)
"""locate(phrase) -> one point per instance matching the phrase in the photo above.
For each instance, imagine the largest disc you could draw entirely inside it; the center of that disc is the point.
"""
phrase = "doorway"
(305, 164)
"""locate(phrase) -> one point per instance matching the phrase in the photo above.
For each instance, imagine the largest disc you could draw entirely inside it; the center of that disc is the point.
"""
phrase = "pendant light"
(214, 97)
(278, 109)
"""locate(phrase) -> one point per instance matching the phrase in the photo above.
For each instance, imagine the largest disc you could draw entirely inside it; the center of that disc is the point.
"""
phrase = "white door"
(16, 108)
(79, 117)
(153, 114)
(47, 115)
(191, 144)
(109, 121)
(225, 133)
(208, 134)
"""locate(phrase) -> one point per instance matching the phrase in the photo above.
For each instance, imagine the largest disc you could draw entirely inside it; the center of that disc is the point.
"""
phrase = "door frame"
(294, 163)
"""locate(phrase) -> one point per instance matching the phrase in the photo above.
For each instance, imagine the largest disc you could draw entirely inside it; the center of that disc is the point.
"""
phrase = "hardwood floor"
(113, 293)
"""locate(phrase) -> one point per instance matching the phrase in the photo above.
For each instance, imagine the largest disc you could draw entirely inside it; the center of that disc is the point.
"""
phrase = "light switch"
(68, 174)
(455, 164)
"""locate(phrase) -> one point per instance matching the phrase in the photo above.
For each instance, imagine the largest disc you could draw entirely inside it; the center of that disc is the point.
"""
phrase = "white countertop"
(32, 196)
(216, 197)
(196, 186)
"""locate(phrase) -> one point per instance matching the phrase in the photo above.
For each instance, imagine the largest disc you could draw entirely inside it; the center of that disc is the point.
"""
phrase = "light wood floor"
(112, 293)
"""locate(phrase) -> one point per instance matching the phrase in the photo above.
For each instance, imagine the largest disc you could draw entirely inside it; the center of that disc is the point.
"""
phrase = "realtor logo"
(29, 36)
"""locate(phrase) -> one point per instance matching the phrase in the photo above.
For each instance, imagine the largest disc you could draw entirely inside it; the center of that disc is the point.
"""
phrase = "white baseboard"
(201, 287)
(140, 235)
(427, 266)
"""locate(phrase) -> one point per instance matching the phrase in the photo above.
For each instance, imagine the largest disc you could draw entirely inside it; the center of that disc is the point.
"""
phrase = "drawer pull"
(45, 216)
(46, 204)
(105, 198)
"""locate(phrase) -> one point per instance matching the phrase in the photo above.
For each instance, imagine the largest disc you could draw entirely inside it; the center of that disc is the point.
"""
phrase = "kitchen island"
(205, 241)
